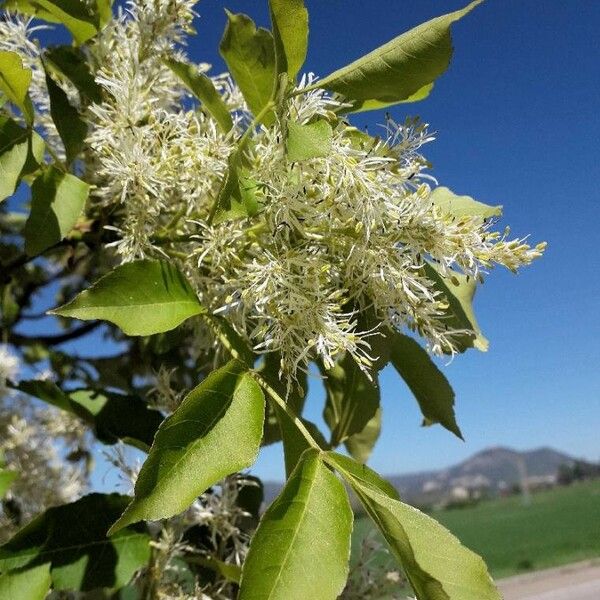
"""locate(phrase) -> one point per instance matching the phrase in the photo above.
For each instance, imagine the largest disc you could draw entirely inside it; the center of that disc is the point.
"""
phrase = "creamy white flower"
(9, 366)
(332, 235)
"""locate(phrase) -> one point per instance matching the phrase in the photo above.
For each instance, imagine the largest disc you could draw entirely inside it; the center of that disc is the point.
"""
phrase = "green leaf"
(351, 469)
(250, 56)
(73, 14)
(436, 564)
(290, 32)
(237, 195)
(377, 105)
(72, 537)
(203, 88)
(112, 416)
(6, 480)
(32, 584)
(117, 417)
(104, 11)
(71, 63)
(402, 68)
(308, 141)
(57, 200)
(462, 206)
(301, 547)
(215, 431)
(361, 444)
(352, 400)
(20, 152)
(426, 382)
(141, 297)
(14, 83)
(459, 291)
(70, 126)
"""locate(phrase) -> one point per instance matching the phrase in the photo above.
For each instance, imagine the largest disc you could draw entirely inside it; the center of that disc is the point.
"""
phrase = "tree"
(229, 233)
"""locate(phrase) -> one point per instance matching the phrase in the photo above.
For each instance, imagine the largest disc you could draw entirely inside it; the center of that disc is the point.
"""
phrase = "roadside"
(578, 581)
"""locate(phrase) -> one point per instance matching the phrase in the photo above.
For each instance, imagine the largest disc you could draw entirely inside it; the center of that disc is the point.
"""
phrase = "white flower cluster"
(9, 367)
(33, 443)
(334, 235)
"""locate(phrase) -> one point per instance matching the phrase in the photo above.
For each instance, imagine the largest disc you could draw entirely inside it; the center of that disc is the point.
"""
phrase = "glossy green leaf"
(215, 431)
(308, 141)
(462, 206)
(401, 68)
(21, 150)
(203, 88)
(31, 584)
(436, 564)
(360, 445)
(459, 291)
(290, 33)
(428, 384)
(75, 15)
(250, 56)
(301, 547)
(57, 201)
(14, 83)
(141, 297)
(352, 400)
(112, 416)
(70, 126)
(72, 537)
(70, 62)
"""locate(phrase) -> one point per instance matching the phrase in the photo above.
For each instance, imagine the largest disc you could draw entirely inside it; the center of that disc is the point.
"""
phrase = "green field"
(559, 527)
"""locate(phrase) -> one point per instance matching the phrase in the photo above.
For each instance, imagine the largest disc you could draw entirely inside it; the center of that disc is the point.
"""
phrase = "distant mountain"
(493, 469)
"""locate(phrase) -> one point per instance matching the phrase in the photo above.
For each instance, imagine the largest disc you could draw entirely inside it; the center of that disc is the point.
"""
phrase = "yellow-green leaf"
(436, 564)
(400, 69)
(72, 539)
(203, 88)
(428, 384)
(290, 32)
(215, 431)
(21, 150)
(250, 55)
(301, 547)
(32, 584)
(69, 124)
(75, 15)
(462, 206)
(14, 83)
(57, 200)
(459, 291)
(143, 297)
(308, 141)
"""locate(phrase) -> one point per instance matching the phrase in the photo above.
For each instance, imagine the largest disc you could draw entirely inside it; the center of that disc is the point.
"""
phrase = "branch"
(53, 340)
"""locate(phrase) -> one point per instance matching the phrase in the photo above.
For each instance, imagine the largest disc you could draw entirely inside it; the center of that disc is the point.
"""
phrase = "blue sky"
(517, 124)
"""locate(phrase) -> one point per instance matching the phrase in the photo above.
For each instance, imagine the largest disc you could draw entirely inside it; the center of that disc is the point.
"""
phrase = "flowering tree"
(231, 230)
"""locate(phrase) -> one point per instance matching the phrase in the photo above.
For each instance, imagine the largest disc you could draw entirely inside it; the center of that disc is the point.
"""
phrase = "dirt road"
(580, 581)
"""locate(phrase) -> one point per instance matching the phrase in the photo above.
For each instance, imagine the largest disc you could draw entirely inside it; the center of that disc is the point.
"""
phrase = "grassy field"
(559, 527)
